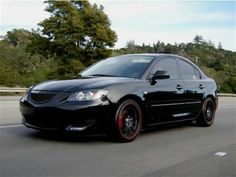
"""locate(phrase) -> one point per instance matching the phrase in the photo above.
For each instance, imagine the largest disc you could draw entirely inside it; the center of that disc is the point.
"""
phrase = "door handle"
(201, 86)
(179, 87)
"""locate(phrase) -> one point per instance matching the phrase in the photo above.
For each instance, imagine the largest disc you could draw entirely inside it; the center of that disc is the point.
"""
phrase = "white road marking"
(227, 107)
(10, 126)
(220, 154)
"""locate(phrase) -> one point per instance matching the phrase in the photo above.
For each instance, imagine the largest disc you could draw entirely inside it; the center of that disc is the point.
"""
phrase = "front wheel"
(128, 121)
(207, 115)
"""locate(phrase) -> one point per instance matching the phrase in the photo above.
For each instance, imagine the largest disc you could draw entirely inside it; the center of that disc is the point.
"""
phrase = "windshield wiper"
(103, 75)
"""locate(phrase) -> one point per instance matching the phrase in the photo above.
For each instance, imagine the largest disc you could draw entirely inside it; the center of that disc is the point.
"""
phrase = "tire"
(207, 115)
(128, 121)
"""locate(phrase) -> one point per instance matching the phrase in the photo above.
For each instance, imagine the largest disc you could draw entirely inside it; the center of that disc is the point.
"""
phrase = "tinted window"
(198, 74)
(122, 66)
(187, 70)
(168, 65)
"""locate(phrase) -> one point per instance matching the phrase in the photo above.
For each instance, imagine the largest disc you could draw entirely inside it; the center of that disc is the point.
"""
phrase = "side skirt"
(170, 122)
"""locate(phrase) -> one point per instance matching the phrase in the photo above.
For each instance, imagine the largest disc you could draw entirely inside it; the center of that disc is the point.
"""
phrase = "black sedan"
(123, 94)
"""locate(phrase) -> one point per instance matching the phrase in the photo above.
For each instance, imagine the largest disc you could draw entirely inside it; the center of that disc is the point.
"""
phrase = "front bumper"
(69, 116)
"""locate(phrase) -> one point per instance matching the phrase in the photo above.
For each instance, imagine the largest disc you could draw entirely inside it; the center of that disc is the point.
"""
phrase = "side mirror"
(160, 75)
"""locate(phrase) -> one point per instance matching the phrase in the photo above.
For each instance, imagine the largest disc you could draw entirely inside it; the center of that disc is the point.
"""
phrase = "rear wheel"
(128, 121)
(207, 115)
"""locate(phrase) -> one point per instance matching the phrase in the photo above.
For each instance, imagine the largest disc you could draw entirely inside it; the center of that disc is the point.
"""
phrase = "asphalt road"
(183, 150)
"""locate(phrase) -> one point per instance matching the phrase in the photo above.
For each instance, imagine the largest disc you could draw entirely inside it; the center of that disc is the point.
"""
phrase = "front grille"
(41, 96)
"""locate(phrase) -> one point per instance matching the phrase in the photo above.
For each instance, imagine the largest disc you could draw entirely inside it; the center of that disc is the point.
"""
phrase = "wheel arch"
(139, 101)
(211, 92)
(214, 98)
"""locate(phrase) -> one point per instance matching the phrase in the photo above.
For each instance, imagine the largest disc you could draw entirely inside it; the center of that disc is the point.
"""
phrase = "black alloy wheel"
(207, 115)
(128, 121)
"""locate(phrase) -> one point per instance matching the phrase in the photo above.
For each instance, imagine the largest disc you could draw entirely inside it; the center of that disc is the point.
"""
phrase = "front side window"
(187, 70)
(169, 65)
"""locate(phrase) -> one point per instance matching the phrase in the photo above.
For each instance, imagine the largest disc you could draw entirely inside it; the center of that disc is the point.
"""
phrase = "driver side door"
(165, 97)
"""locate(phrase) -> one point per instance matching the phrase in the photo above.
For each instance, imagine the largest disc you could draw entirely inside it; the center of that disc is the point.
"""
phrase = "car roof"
(161, 54)
(145, 54)
(153, 54)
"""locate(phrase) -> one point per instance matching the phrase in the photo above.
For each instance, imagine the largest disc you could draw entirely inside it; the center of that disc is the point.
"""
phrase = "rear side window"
(188, 71)
(169, 65)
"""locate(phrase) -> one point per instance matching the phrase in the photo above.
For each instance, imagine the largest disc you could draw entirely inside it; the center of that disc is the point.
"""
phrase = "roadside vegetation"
(78, 34)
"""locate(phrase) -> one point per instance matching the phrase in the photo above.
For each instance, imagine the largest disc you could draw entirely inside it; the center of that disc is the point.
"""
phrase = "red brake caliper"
(120, 120)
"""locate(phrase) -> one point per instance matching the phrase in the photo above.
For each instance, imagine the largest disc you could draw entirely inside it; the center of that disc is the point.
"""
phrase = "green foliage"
(8, 76)
(198, 39)
(76, 30)
(74, 36)
(229, 86)
(18, 37)
(39, 75)
(17, 66)
(63, 70)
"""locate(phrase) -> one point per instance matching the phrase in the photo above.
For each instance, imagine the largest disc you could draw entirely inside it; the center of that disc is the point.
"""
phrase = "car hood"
(84, 83)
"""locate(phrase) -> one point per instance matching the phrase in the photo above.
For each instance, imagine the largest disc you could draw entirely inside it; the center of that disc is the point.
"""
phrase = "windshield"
(121, 66)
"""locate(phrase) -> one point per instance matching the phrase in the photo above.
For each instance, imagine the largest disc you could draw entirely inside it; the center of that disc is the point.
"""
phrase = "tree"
(198, 39)
(77, 30)
(220, 46)
(18, 37)
(210, 43)
(170, 48)
(8, 76)
(18, 66)
(130, 44)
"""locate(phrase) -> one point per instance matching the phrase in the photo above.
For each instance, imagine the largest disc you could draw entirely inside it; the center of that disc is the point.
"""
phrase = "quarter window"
(187, 70)
(198, 74)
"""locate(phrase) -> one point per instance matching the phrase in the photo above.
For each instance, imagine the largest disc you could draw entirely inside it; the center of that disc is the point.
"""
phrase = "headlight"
(26, 93)
(88, 95)
(28, 89)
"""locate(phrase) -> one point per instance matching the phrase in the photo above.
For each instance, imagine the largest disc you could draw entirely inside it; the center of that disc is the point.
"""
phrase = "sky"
(144, 21)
